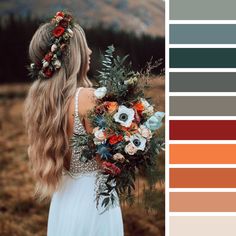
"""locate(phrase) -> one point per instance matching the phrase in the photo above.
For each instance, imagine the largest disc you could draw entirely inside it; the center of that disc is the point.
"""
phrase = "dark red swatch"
(202, 129)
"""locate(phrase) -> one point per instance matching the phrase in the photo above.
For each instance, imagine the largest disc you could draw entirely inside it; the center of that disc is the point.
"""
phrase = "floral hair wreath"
(61, 32)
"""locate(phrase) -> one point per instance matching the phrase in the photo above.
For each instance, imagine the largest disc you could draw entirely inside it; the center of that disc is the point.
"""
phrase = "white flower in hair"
(53, 48)
(57, 64)
(59, 18)
(45, 64)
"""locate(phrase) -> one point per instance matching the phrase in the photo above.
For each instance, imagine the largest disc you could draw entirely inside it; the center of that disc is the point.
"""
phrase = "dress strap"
(76, 101)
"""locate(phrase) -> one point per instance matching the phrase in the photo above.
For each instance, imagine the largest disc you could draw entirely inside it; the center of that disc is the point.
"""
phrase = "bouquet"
(125, 128)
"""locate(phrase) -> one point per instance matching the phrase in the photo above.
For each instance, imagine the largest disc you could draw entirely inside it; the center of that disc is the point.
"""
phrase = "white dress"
(73, 210)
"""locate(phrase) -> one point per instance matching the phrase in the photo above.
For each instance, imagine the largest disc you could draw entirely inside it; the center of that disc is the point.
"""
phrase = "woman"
(56, 106)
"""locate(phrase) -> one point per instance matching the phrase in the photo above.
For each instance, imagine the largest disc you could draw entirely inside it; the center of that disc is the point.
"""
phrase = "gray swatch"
(202, 82)
(202, 106)
(202, 9)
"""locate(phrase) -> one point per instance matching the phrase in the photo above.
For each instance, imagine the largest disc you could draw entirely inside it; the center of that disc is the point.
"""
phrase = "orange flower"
(115, 139)
(130, 130)
(111, 106)
(138, 106)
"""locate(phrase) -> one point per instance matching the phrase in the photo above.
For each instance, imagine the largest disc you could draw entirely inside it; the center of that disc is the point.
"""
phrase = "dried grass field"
(20, 214)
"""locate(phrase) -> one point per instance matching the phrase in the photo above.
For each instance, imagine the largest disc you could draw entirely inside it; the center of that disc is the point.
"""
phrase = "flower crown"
(61, 32)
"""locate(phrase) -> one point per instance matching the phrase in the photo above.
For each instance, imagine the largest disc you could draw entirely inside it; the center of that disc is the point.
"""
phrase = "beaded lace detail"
(77, 167)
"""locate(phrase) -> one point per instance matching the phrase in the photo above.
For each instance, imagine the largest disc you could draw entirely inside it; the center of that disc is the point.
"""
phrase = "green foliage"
(113, 74)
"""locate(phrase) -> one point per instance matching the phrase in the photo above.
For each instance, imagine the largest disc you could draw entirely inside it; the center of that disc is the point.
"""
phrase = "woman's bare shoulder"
(86, 101)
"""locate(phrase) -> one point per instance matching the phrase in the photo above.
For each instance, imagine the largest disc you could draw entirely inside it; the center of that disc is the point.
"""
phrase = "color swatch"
(202, 81)
(202, 225)
(202, 57)
(202, 34)
(202, 177)
(203, 202)
(202, 10)
(202, 129)
(202, 105)
(202, 153)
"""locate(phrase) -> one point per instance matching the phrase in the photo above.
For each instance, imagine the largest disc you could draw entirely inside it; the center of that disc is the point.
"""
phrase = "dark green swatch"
(202, 57)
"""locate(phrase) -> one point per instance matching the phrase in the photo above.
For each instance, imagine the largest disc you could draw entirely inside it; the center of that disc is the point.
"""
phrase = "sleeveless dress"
(73, 209)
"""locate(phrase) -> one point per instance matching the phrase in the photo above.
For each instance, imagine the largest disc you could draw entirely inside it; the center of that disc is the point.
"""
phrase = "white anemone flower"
(138, 141)
(124, 116)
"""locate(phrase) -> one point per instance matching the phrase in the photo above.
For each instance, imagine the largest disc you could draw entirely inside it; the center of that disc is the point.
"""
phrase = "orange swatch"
(202, 177)
(202, 153)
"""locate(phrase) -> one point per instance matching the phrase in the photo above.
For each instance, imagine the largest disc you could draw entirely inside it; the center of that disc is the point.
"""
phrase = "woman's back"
(73, 210)
(81, 103)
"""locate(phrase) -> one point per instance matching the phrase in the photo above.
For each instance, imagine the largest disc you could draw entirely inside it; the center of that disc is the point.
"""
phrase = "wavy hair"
(46, 110)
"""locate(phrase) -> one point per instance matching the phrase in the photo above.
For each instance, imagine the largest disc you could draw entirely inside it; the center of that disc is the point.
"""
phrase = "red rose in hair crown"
(58, 31)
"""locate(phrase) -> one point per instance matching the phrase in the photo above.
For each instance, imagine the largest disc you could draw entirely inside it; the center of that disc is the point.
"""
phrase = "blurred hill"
(136, 16)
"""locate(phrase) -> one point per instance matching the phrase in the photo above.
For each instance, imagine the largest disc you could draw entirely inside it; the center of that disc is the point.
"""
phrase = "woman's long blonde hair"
(46, 109)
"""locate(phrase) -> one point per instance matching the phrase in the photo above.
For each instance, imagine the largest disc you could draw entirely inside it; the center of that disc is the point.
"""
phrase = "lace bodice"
(78, 167)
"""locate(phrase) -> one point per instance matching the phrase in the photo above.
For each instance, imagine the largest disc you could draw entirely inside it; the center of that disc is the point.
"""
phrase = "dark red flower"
(48, 72)
(115, 139)
(48, 56)
(58, 31)
(64, 23)
(111, 168)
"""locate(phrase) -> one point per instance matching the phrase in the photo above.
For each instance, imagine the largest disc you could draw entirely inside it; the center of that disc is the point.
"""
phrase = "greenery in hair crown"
(61, 28)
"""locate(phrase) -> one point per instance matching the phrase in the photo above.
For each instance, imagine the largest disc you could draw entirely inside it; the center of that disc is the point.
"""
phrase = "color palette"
(201, 116)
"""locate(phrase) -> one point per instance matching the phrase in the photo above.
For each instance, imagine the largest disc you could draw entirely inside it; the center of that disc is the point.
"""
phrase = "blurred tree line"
(16, 33)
